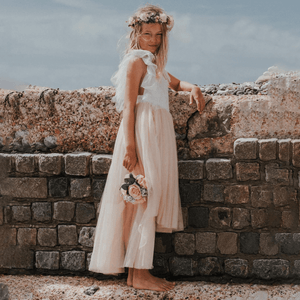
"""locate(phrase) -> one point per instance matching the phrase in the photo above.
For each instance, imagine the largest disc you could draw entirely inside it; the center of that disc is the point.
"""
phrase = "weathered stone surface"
(284, 149)
(210, 266)
(85, 212)
(182, 266)
(80, 188)
(213, 193)
(25, 163)
(249, 242)
(160, 265)
(5, 163)
(88, 260)
(261, 196)
(236, 267)
(198, 216)
(245, 148)
(184, 243)
(25, 187)
(268, 244)
(16, 257)
(41, 211)
(227, 242)
(284, 196)
(73, 260)
(163, 243)
(276, 175)
(271, 268)
(26, 236)
(289, 219)
(7, 211)
(50, 164)
(218, 169)
(247, 171)
(47, 260)
(1, 216)
(47, 237)
(237, 194)
(296, 152)
(58, 187)
(86, 236)
(64, 211)
(8, 237)
(185, 216)
(4, 292)
(191, 169)
(267, 149)
(21, 213)
(220, 217)
(67, 235)
(190, 192)
(206, 242)
(101, 164)
(259, 218)
(98, 188)
(240, 218)
(77, 163)
(289, 243)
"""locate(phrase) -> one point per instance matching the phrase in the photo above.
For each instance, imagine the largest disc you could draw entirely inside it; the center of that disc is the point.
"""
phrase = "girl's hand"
(130, 159)
(196, 95)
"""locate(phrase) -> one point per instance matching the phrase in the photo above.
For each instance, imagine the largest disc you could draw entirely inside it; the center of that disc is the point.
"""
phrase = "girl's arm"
(135, 71)
(196, 94)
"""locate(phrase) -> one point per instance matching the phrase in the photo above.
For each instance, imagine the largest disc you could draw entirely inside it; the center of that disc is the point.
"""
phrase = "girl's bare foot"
(143, 280)
(130, 277)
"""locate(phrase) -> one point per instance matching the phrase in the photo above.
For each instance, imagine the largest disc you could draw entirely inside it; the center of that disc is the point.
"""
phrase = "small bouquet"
(134, 189)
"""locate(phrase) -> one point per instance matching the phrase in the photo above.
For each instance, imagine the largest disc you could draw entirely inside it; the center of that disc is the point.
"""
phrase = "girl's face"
(151, 37)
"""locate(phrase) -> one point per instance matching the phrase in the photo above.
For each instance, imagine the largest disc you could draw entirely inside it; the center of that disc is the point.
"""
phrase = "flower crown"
(150, 18)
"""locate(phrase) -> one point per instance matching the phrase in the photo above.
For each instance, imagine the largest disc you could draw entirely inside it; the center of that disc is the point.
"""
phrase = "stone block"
(296, 153)
(261, 196)
(26, 236)
(284, 196)
(289, 243)
(4, 292)
(88, 260)
(271, 268)
(218, 169)
(58, 187)
(85, 212)
(190, 192)
(67, 235)
(184, 243)
(198, 216)
(220, 217)
(163, 243)
(7, 212)
(274, 218)
(259, 218)
(64, 211)
(98, 188)
(183, 266)
(249, 242)
(86, 236)
(268, 244)
(73, 260)
(5, 163)
(227, 242)
(80, 188)
(191, 169)
(213, 193)
(210, 266)
(236, 267)
(276, 175)
(245, 148)
(237, 194)
(267, 149)
(247, 171)
(21, 213)
(47, 237)
(1, 216)
(160, 265)
(48, 260)
(8, 237)
(284, 150)
(25, 163)
(289, 219)
(77, 163)
(206, 242)
(50, 164)
(240, 218)
(16, 257)
(101, 164)
(41, 211)
(185, 216)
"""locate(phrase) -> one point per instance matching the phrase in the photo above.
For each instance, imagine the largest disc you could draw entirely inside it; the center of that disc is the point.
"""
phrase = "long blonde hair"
(161, 54)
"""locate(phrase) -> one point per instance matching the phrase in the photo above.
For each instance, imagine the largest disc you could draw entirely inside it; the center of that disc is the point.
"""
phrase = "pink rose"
(142, 181)
(134, 191)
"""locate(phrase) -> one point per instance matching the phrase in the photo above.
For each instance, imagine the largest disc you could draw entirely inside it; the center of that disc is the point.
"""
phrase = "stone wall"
(241, 213)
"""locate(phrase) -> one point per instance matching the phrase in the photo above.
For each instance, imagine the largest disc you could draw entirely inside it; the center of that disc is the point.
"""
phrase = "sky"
(73, 44)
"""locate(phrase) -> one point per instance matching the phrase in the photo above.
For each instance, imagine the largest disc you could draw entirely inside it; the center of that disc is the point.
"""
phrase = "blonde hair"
(161, 54)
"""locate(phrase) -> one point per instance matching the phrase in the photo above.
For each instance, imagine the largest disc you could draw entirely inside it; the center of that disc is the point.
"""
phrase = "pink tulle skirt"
(157, 156)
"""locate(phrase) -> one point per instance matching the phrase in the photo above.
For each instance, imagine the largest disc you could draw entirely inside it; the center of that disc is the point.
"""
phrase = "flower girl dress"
(157, 157)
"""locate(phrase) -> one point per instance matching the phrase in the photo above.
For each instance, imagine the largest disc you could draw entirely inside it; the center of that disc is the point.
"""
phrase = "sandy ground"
(23, 287)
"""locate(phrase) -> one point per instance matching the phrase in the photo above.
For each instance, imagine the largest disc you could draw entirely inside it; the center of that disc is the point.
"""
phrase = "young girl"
(146, 145)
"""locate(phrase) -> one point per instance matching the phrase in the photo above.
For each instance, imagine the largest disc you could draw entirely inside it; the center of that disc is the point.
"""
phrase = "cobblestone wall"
(241, 213)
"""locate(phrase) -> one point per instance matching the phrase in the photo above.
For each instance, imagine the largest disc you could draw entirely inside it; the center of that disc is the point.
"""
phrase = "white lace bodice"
(155, 90)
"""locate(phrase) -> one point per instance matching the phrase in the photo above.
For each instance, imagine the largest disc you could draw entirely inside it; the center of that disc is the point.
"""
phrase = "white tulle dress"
(157, 156)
